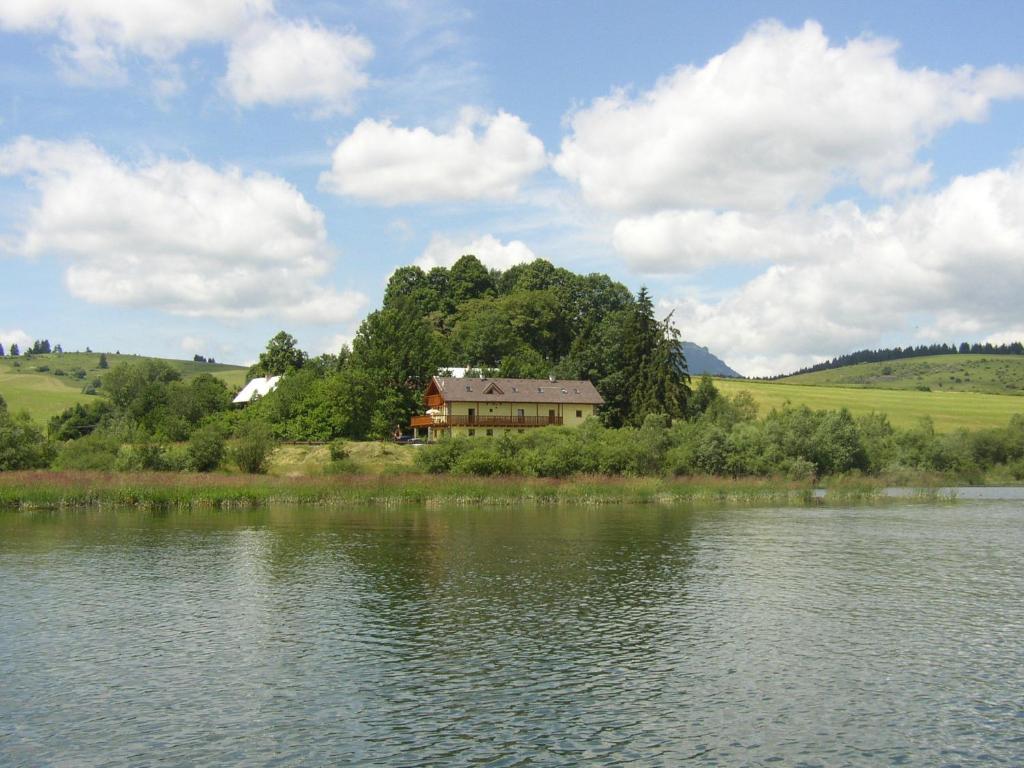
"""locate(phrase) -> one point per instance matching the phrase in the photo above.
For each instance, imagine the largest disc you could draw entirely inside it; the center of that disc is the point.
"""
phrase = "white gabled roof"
(258, 387)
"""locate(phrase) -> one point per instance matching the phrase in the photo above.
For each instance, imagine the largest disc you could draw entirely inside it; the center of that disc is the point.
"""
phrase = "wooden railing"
(485, 421)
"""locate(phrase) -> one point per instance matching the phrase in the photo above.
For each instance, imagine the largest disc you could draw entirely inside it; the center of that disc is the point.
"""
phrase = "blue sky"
(793, 181)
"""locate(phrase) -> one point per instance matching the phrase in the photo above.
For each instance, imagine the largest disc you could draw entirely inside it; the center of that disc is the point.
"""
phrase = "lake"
(549, 636)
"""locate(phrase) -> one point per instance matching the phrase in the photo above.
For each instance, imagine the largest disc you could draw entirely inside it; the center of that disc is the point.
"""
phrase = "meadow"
(992, 374)
(905, 407)
(45, 385)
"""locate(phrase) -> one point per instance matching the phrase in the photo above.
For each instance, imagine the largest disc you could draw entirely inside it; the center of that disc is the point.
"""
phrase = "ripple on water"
(628, 636)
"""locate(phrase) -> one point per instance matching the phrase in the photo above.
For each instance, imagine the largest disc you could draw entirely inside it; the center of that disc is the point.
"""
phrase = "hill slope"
(948, 410)
(992, 374)
(45, 393)
(699, 360)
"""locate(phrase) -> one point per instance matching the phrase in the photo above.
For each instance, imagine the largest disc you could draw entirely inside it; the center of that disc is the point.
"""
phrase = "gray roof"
(496, 390)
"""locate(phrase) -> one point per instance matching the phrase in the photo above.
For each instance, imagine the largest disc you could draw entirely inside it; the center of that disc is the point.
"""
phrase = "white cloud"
(481, 157)
(15, 336)
(443, 252)
(334, 344)
(177, 236)
(95, 34)
(780, 118)
(946, 266)
(192, 345)
(292, 62)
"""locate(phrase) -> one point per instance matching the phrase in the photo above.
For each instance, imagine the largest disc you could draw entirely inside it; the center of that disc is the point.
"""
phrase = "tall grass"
(49, 489)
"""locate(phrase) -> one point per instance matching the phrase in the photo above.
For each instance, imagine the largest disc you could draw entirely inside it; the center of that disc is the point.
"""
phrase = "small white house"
(259, 387)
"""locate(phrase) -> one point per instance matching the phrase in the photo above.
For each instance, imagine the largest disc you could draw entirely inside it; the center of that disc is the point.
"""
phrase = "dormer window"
(540, 390)
(493, 389)
(469, 388)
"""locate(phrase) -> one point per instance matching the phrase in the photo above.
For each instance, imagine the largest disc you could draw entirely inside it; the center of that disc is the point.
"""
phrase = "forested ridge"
(903, 353)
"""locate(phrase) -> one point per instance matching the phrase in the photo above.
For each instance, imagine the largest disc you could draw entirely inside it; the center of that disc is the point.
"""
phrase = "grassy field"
(41, 395)
(949, 410)
(366, 458)
(45, 393)
(992, 374)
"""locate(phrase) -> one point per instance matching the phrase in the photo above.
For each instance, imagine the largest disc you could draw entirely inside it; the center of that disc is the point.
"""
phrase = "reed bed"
(70, 489)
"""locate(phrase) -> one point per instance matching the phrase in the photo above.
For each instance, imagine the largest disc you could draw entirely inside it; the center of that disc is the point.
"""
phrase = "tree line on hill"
(903, 353)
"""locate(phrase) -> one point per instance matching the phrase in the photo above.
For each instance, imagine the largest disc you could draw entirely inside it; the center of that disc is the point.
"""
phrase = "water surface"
(820, 636)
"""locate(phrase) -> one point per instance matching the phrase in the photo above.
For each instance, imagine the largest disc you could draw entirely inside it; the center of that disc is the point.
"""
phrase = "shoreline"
(42, 489)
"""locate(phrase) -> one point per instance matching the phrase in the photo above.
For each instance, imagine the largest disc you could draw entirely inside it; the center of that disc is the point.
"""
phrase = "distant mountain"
(700, 361)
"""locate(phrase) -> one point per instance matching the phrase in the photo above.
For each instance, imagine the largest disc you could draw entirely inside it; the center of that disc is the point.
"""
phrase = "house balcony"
(485, 421)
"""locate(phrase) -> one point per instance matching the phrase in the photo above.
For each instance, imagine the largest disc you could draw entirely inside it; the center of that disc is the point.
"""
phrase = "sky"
(792, 181)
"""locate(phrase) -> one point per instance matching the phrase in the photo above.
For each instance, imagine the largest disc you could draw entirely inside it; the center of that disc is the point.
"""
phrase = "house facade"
(487, 407)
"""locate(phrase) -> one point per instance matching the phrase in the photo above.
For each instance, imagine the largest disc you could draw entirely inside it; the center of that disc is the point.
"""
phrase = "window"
(520, 413)
(579, 414)
(472, 432)
(490, 433)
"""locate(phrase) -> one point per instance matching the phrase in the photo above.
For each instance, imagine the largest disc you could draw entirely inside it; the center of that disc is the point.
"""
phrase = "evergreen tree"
(14, 350)
(1, 350)
(103, 361)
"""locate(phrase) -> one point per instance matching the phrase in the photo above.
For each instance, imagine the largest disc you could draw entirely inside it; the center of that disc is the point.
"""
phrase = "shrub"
(339, 450)
(441, 456)
(253, 447)
(145, 456)
(206, 448)
(22, 445)
(97, 451)
(482, 460)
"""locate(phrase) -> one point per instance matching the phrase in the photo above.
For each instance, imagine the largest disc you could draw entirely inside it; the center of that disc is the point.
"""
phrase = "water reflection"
(508, 636)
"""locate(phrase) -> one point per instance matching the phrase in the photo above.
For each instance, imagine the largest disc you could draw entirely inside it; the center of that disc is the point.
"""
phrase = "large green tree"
(398, 351)
(281, 355)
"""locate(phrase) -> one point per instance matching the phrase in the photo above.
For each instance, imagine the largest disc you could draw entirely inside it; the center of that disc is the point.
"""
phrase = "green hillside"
(993, 374)
(47, 392)
(949, 410)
